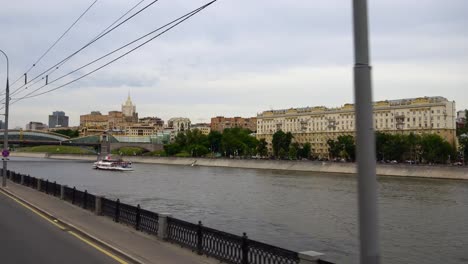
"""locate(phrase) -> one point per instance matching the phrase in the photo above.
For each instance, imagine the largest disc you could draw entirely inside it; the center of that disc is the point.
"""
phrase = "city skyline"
(289, 55)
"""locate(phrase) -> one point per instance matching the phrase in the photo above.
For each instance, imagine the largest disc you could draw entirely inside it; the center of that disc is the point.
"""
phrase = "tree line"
(428, 148)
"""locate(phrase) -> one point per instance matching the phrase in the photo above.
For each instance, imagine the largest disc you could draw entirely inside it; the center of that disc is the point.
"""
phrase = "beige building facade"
(317, 125)
(205, 129)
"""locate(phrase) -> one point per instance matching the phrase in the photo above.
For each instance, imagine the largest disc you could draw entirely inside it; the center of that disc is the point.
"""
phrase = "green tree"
(281, 141)
(435, 149)
(214, 139)
(305, 151)
(293, 151)
(262, 148)
(172, 149)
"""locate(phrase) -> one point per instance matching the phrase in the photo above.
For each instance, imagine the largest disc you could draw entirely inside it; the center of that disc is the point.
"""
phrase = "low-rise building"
(36, 126)
(318, 124)
(220, 123)
(203, 127)
(461, 118)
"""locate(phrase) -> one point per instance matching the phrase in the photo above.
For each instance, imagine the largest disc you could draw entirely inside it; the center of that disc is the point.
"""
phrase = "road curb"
(120, 253)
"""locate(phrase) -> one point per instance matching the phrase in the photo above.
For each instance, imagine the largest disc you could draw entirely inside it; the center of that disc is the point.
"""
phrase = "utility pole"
(5, 136)
(365, 147)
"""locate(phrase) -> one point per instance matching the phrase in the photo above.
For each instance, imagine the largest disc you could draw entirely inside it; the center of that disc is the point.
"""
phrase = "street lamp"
(5, 136)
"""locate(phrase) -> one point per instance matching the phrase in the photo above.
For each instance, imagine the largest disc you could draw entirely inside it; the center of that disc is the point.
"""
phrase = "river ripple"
(421, 220)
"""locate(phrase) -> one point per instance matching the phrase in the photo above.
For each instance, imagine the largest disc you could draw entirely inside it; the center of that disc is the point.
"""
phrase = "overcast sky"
(236, 58)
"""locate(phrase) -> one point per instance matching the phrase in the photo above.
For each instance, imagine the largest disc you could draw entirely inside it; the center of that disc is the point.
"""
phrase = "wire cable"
(185, 17)
(88, 44)
(17, 91)
(55, 43)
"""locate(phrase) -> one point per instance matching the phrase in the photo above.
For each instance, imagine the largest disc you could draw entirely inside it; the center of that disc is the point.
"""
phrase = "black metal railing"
(109, 208)
(149, 222)
(182, 232)
(223, 246)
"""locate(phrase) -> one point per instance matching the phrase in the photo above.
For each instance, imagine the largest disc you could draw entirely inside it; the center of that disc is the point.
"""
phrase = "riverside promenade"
(115, 242)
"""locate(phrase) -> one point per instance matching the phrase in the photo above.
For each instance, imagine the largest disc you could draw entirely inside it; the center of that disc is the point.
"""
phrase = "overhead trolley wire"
(56, 68)
(88, 44)
(55, 43)
(180, 20)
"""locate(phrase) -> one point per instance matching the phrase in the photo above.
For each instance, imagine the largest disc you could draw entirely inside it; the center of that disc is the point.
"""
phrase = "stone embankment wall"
(403, 170)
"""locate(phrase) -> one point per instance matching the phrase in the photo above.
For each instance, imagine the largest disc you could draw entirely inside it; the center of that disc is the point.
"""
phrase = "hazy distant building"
(58, 119)
(178, 124)
(129, 111)
(95, 120)
(316, 125)
(461, 118)
(220, 123)
(36, 126)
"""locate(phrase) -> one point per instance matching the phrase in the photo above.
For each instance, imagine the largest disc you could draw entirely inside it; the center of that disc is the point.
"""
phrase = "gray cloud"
(237, 57)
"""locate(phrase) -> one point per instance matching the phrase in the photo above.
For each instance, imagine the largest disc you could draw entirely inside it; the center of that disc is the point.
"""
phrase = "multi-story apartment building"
(317, 125)
(58, 119)
(204, 128)
(220, 123)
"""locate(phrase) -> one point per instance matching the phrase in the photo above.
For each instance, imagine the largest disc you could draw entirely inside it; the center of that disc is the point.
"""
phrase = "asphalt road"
(26, 237)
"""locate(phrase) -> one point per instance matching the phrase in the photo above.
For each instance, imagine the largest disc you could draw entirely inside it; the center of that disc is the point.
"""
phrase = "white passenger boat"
(109, 163)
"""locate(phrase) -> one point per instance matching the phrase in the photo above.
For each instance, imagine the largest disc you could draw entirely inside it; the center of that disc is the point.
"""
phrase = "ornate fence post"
(309, 257)
(162, 225)
(200, 238)
(22, 179)
(98, 205)
(138, 218)
(85, 199)
(73, 195)
(245, 249)
(62, 192)
(39, 184)
(117, 211)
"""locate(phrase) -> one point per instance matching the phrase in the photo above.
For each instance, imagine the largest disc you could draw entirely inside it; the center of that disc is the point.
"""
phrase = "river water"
(421, 220)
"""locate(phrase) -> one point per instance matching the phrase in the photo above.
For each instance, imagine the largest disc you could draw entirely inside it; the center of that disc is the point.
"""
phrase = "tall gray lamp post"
(365, 147)
(5, 136)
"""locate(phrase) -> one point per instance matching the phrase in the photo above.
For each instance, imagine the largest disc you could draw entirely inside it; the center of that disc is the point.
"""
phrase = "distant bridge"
(37, 138)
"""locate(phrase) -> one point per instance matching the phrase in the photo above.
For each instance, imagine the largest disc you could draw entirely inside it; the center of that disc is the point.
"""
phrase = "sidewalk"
(139, 246)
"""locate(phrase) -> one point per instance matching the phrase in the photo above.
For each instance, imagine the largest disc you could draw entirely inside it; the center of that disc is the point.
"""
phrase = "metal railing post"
(73, 195)
(62, 192)
(55, 188)
(22, 179)
(85, 199)
(117, 211)
(98, 205)
(162, 225)
(309, 257)
(138, 218)
(39, 184)
(47, 186)
(200, 238)
(245, 249)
